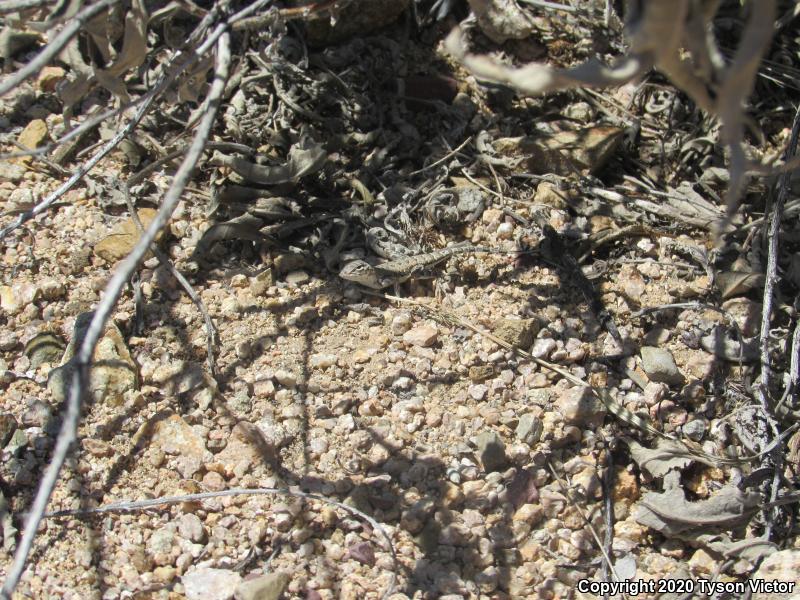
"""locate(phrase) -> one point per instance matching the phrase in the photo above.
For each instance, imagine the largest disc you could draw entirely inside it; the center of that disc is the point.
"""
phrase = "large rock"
(660, 366)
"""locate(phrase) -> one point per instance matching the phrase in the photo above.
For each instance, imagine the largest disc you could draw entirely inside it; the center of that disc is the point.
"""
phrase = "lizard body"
(397, 271)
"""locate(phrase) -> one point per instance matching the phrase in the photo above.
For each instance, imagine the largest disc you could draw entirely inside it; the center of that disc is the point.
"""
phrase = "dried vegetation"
(239, 146)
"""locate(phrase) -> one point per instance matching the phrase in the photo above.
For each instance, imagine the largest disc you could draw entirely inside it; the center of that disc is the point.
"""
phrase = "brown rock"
(481, 373)
(423, 336)
(586, 150)
(118, 244)
(517, 332)
(34, 134)
(49, 78)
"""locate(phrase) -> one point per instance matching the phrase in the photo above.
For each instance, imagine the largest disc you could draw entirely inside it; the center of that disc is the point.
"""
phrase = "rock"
(286, 378)
(362, 552)
(242, 449)
(581, 408)
(14, 298)
(784, 566)
(522, 489)
(659, 365)
(265, 587)
(49, 78)
(289, 261)
(702, 563)
(520, 333)
(480, 373)
(401, 323)
(261, 283)
(746, 314)
(322, 361)
(33, 135)
(190, 527)
(543, 347)
(160, 544)
(529, 429)
(210, 584)
(478, 392)
(273, 433)
(695, 429)
(422, 336)
(10, 171)
(298, 277)
(113, 373)
(586, 150)
(124, 236)
(97, 448)
(491, 451)
(8, 425)
(52, 289)
(550, 195)
(175, 437)
(505, 231)
(626, 486)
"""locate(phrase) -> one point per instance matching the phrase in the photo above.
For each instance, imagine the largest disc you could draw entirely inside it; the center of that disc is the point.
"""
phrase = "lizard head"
(361, 272)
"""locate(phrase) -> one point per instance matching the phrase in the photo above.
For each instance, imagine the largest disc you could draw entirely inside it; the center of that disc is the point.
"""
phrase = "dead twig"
(766, 314)
(55, 46)
(78, 391)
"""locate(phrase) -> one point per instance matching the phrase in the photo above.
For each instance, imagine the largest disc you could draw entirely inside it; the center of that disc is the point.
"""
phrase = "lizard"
(397, 271)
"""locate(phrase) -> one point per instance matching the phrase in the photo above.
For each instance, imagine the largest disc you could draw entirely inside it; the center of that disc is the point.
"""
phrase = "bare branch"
(10, 6)
(54, 47)
(766, 315)
(79, 386)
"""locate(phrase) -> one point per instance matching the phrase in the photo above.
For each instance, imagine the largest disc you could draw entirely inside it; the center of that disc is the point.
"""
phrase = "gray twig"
(78, 390)
(10, 6)
(54, 47)
(766, 313)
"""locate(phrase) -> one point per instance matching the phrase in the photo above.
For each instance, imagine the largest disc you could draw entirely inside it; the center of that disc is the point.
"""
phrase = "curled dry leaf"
(669, 512)
(666, 456)
(305, 157)
(738, 283)
(672, 36)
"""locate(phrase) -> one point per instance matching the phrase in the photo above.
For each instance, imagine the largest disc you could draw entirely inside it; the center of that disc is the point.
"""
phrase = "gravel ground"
(371, 416)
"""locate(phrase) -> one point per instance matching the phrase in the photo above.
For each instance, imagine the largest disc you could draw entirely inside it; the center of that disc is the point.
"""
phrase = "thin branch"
(766, 314)
(119, 507)
(166, 79)
(79, 386)
(54, 47)
(212, 335)
(10, 6)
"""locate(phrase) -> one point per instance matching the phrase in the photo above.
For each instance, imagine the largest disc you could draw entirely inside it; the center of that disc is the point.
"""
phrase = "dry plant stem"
(736, 87)
(89, 123)
(600, 545)
(10, 6)
(212, 336)
(55, 46)
(445, 158)
(766, 313)
(119, 507)
(160, 86)
(79, 386)
(78, 175)
(608, 494)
